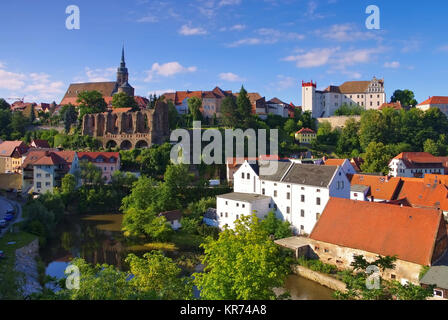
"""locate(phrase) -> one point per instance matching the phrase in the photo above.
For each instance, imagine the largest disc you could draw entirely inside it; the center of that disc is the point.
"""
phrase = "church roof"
(106, 89)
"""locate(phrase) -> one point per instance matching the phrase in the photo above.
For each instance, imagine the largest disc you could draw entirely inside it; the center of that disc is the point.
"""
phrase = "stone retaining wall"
(323, 279)
(27, 265)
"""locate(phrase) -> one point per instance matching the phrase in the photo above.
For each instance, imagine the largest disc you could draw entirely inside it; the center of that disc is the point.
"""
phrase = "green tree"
(173, 115)
(69, 115)
(348, 143)
(90, 102)
(91, 174)
(406, 98)
(194, 106)
(376, 159)
(244, 107)
(229, 115)
(4, 105)
(347, 110)
(18, 125)
(157, 273)
(276, 227)
(122, 100)
(68, 184)
(431, 147)
(243, 264)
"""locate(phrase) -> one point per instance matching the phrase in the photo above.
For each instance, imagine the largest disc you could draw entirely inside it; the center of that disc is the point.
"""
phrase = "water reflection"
(97, 239)
(304, 289)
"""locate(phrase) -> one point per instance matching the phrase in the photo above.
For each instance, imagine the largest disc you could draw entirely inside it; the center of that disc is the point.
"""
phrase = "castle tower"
(123, 77)
(309, 98)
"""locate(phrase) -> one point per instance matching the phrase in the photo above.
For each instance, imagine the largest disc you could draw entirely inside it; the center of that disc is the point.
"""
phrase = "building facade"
(416, 165)
(107, 162)
(435, 102)
(43, 170)
(11, 153)
(323, 104)
(298, 193)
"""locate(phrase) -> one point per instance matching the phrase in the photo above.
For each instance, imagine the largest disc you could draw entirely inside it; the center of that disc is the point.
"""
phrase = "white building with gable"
(323, 104)
(297, 193)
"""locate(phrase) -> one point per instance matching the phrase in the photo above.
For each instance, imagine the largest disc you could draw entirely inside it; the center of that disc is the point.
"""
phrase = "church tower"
(123, 77)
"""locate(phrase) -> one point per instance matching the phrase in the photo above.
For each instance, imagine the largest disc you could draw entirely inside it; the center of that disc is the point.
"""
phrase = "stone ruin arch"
(141, 128)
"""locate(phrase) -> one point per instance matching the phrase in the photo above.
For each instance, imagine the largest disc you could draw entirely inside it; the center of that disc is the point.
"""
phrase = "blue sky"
(270, 46)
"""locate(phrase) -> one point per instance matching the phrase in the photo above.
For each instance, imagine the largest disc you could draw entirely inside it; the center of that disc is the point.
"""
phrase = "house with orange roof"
(345, 164)
(428, 193)
(416, 165)
(392, 105)
(11, 153)
(107, 162)
(380, 188)
(418, 237)
(439, 102)
(43, 170)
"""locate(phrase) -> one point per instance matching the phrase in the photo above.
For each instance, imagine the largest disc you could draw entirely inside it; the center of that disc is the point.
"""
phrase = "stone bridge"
(128, 130)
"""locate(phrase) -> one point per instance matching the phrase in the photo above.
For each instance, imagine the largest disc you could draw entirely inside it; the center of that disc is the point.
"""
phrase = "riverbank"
(320, 278)
(10, 243)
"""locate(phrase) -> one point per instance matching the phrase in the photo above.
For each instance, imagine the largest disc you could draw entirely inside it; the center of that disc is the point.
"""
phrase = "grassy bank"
(8, 276)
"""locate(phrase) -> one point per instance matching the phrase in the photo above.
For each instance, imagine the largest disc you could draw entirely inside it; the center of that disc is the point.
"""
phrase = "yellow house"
(11, 153)
(305, 135)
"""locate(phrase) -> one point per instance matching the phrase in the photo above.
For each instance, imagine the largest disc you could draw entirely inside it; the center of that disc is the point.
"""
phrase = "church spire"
(123, 63)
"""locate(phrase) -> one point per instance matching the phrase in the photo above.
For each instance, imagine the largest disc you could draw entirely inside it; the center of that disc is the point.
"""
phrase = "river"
(98, 239)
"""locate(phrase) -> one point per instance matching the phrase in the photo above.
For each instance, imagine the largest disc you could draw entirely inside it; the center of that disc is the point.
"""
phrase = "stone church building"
(107, 89)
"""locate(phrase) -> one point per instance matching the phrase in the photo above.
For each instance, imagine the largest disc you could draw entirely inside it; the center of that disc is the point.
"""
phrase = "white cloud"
(335, 57)
(35, 86)
(98, 74)
(313, 58)
(231, 77)
(346, 33)
(392, 65)
(186, 30)
(167, 70)
(236, 27)
(148, 19)
(229, 3)
(11, 80)
(268, 36)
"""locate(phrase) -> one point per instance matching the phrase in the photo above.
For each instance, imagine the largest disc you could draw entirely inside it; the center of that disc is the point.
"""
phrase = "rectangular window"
(242, 175)
(263, 191)
(288, 195)
(275, 193)
(302, 198)
(317, 216)
(248, 176)
(302, 213)
(288, 210)
(318, 201)
(47, 184)
(39, 185)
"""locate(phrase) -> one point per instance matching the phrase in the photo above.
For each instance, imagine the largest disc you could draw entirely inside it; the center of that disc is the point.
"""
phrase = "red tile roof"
(378, 228)
(40, 143)
(91, 156)
(382, 188)
(335, 162)
(7, 148)
(423, 194)
(420, 159)
(49, 158)
(393, 105)
(305, 130)
(435, 100)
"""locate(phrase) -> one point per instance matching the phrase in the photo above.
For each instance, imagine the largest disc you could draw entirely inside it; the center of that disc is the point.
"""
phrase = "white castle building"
(323, 104)
(297, 193)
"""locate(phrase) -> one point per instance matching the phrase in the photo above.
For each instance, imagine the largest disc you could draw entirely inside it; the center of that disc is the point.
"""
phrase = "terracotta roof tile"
(383, 188)
(378, 228)
(435, 100)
